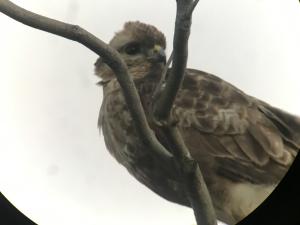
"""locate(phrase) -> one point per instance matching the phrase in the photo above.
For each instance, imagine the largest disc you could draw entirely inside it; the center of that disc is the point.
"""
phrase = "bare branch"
(183, 22)
(190, 174)
(111, 57)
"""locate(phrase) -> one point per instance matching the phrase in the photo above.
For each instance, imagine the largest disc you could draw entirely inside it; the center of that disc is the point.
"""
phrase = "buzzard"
(243, 145)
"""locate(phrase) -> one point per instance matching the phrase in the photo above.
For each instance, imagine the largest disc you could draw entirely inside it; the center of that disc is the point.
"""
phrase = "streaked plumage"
(243, 145)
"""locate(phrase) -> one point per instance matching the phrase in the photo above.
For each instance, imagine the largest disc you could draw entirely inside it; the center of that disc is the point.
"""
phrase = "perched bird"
(243, 146)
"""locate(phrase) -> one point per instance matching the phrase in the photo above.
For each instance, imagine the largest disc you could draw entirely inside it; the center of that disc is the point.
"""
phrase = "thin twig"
(111, 56)
(162, 80)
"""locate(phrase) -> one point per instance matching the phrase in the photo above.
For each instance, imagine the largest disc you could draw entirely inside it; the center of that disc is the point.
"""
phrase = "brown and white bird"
(243, 146)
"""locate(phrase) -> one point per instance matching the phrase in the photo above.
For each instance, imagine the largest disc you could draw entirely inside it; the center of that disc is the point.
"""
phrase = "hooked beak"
(158, 55)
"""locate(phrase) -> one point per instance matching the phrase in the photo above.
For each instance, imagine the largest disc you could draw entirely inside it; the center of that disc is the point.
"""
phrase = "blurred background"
(54, 166)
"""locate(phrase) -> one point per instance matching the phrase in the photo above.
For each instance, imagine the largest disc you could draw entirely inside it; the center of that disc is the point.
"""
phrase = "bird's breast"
(122, 141)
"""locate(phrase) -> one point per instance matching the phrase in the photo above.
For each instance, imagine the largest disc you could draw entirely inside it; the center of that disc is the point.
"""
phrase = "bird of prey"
(243, 145)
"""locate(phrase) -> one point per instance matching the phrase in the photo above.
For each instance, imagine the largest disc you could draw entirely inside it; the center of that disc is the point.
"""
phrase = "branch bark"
(111, 57)
(195, 186)
(183, 23)
(191, 176)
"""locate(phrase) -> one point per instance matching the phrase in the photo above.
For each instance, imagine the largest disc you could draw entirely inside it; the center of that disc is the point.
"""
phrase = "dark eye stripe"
(132, 48)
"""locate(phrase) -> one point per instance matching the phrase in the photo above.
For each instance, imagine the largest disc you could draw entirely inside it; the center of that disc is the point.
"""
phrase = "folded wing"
(244, 138)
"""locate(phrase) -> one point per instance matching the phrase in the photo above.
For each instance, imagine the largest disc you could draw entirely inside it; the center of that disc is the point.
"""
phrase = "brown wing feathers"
(236, 139)
(244, 139)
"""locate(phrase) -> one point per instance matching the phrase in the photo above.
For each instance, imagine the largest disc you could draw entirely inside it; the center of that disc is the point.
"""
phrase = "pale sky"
(54, 166)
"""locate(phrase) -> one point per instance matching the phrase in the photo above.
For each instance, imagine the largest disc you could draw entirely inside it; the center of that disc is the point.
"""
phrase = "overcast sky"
(54, 166)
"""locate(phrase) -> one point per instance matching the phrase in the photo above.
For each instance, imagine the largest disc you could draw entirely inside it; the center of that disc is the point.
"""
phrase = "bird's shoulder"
(212, 105)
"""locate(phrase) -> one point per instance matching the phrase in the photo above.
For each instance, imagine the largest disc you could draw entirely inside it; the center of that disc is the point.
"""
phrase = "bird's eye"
(132, 49)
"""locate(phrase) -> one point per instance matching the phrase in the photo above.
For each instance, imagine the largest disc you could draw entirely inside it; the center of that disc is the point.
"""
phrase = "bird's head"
(141, 46)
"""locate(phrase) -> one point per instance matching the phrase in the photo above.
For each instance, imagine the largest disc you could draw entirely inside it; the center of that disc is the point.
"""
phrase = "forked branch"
(111, 57)
(195, 186)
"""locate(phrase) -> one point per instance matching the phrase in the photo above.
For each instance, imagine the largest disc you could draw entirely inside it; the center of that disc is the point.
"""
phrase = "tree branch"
(196, 189)
(183, 23)
(190, 174)
(111, 57)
